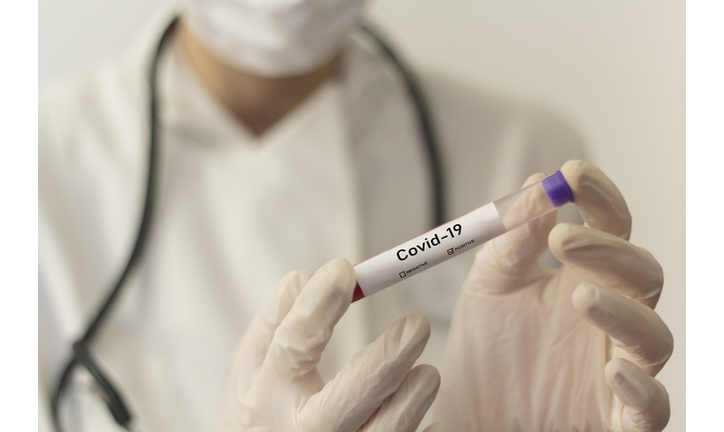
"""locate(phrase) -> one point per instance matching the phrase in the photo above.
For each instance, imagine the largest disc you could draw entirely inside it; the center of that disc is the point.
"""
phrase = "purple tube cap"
(557, 189)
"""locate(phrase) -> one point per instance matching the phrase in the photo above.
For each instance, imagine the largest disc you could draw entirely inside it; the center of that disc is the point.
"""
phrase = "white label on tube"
(429, 249)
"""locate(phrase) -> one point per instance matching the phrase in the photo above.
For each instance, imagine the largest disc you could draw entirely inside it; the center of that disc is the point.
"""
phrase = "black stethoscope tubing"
(81, 352)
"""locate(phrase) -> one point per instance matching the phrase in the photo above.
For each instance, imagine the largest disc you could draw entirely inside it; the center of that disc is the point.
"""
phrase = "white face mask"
(274, 38)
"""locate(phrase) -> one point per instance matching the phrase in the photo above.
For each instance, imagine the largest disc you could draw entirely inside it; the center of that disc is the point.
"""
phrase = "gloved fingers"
(303, 334)
(404, 410)
(645, 400)
(609, 261)
(510, 261)
(633, 327)
(372, 375)
(253, 347)
(598, 200)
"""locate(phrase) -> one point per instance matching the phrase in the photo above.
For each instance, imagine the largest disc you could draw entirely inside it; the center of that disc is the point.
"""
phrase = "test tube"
(461, 235)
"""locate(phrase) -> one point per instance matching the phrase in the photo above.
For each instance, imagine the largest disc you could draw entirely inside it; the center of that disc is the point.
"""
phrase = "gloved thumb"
(510, 261)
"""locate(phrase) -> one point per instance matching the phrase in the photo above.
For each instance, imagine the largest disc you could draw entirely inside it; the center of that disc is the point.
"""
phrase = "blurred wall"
(615, 68)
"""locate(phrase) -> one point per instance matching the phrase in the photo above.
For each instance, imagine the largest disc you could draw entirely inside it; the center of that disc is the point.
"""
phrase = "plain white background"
(615, 68)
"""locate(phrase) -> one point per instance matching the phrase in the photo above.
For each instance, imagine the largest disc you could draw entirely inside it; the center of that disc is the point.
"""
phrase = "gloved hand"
(275, 384)
(572, 349)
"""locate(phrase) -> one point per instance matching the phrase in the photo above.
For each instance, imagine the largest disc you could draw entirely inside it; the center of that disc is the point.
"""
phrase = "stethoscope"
(81, 353)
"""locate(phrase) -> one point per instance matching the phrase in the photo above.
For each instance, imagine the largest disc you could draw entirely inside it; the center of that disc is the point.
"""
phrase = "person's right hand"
(275, 385)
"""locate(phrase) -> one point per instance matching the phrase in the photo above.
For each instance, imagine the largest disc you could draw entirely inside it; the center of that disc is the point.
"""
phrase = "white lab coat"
(343, 175)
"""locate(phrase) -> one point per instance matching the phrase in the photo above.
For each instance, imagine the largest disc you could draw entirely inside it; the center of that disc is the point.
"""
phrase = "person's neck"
(259, 102)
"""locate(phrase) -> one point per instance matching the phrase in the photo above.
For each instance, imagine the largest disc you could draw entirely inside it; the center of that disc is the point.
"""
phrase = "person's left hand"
(571, 349)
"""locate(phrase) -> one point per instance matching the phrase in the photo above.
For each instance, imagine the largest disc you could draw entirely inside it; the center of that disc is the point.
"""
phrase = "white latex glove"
(275, 384)
(572, 349)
